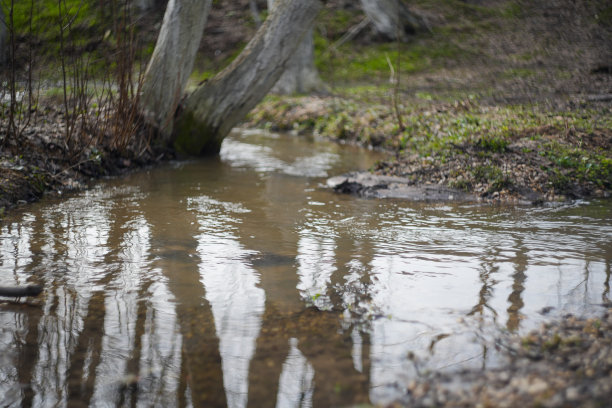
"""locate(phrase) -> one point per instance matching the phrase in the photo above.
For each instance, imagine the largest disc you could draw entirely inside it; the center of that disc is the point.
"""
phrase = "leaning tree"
(208, 114)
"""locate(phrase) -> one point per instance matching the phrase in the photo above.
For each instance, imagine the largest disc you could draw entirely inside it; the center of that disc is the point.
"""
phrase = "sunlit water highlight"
(241, 281)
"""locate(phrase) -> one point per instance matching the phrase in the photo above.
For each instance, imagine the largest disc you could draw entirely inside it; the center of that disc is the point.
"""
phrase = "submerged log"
(19, 291)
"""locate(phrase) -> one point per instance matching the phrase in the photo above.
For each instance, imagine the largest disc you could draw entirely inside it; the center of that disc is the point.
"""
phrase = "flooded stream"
(242, 281)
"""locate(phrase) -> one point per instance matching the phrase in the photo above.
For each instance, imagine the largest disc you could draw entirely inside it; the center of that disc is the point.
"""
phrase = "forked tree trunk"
(172, 62)
(301, 75)
(212, 110)
(393, 18)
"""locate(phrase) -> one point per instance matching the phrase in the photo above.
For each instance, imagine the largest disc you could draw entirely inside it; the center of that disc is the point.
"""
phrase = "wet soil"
(528, 173)
(41, 160)
(563, 364)
(522, 155)
(370, 185)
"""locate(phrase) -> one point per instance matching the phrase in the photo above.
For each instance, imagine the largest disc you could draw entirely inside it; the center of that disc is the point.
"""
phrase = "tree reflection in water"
(257, 288)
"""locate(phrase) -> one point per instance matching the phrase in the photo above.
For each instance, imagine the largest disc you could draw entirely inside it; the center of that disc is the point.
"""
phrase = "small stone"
(572, 393)
(537, 386)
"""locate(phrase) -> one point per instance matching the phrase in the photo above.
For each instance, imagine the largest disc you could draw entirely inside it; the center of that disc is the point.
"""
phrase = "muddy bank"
(369, 185)
(514, 154)
(563, 364)
(40, 161)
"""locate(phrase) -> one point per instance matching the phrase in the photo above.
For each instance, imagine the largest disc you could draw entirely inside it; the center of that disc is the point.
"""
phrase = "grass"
(90, 34)
(84, 17)
(574, 163)
(370, 63)
(464, 131)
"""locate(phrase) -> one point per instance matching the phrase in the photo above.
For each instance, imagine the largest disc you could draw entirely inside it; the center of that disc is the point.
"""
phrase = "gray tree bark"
(172, 62)
(393, 18)
(144, 5)
(301, 75)
(255, 12)
(212, 110)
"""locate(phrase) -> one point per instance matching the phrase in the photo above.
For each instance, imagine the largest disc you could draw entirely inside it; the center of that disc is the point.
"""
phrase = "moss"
(604, 16)
(552, 343)
(512, 10)
(193, 138)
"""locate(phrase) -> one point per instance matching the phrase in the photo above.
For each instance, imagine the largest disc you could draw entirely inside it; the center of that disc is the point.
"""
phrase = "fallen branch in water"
(19, 291)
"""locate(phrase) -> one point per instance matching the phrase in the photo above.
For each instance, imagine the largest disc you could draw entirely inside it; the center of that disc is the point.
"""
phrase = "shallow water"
(241, 281)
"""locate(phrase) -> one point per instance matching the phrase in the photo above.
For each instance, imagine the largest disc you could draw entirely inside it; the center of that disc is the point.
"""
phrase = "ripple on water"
(241, 280)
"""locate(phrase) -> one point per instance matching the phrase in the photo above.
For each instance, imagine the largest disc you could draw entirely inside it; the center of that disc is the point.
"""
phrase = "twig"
(349, 35)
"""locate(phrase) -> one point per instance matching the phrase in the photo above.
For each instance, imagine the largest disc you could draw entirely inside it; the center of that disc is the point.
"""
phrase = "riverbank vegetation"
(500, 152)
(508, 99)
(498, 99)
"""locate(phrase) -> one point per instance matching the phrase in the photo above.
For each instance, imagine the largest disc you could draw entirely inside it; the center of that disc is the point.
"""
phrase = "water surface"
(241, 281)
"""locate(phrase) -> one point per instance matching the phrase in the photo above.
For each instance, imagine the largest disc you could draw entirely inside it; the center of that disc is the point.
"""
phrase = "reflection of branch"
(435, 341)
(515, 299)
(484, 294)
(29, 355)
(583, 282)
(460, 362)
(575, 288)
(605, 296)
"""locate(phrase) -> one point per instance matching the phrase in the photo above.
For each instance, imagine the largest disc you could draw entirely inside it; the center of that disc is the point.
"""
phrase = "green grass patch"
(519, 73)
(81, 17)
(571, 163)
(357, 63)
(494, 144)
(493, 175)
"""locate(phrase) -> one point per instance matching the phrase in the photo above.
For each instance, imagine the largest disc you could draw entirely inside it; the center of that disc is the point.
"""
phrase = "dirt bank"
(518, 153)
(508, 101)
(41, 162)
(564, 364)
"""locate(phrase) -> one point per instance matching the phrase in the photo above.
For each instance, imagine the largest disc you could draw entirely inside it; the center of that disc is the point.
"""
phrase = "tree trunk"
(212, 110)
(172, 62)
(393, 19)
(301, 75)
(255, 13)
(3, 44)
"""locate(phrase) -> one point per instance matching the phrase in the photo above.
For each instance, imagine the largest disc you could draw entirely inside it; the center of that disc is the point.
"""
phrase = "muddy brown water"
(243, 281)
